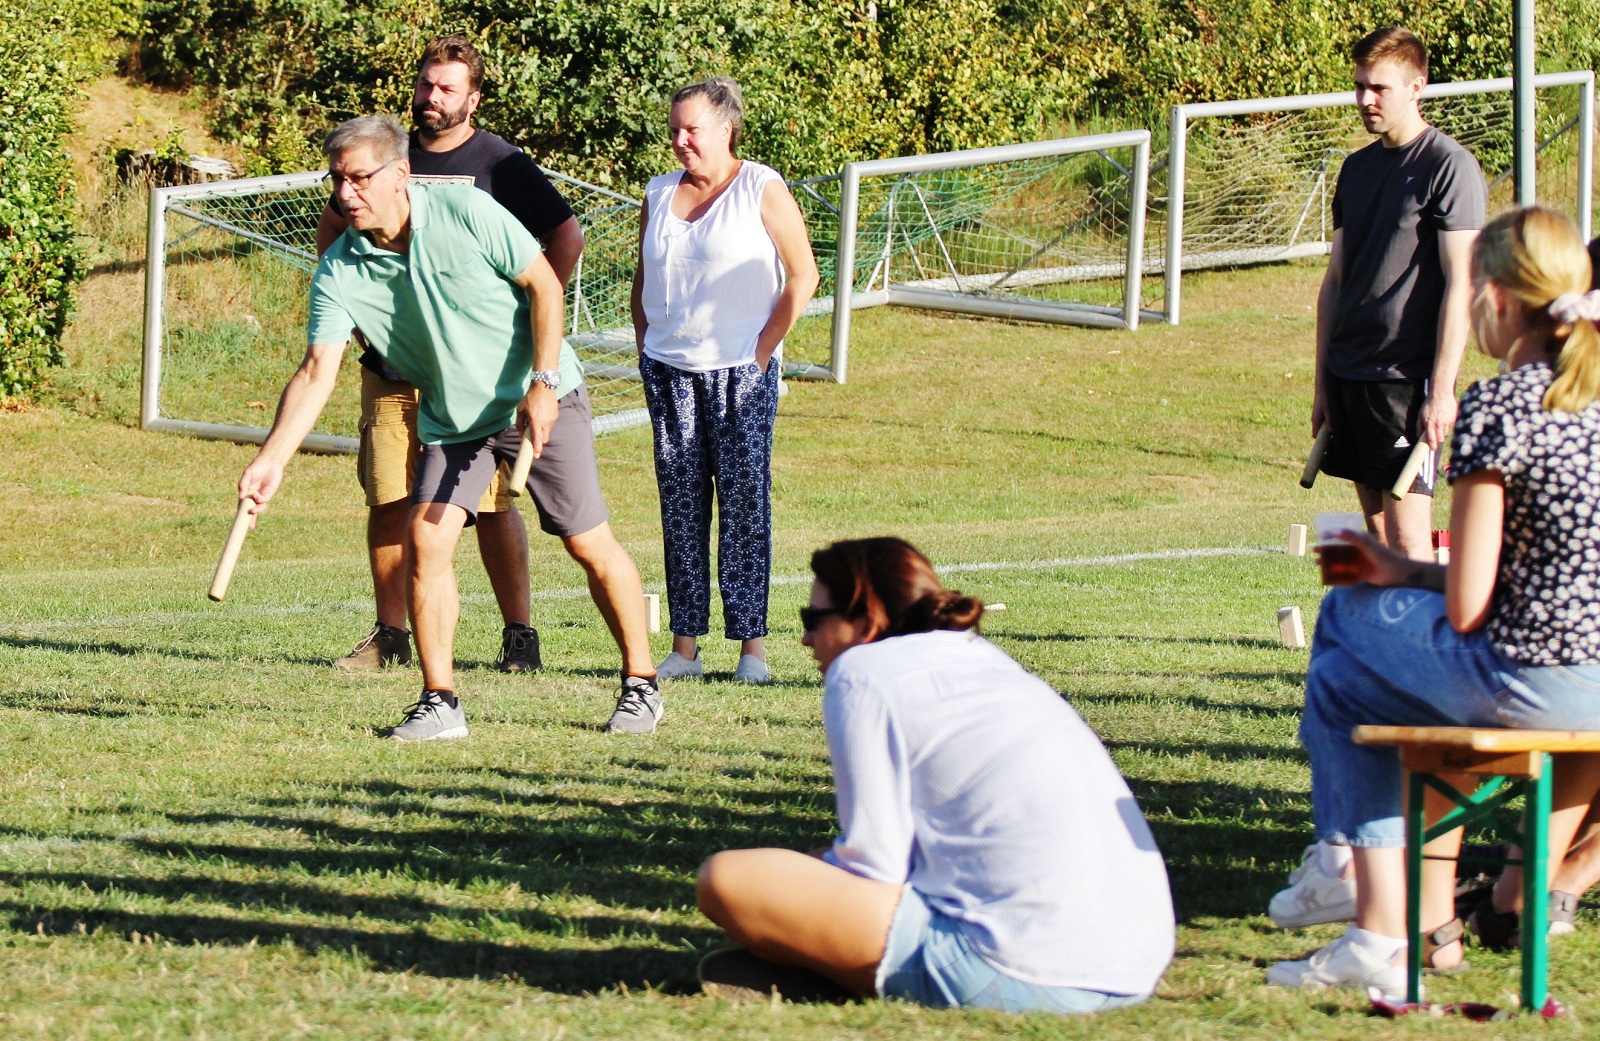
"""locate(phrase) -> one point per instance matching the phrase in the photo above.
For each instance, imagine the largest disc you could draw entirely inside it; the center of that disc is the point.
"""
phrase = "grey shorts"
(564, 481)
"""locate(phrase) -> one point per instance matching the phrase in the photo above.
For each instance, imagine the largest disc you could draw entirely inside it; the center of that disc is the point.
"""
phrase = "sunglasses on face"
(811, 617)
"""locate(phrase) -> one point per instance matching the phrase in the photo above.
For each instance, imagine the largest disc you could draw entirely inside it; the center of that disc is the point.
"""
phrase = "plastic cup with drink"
(1341, 561)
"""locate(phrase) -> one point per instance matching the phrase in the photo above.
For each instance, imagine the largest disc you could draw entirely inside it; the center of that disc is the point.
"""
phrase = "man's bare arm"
(1327, 303)
(329, 227)
(563, 244)
(544, 290)
(303, 400)
(1455, 324)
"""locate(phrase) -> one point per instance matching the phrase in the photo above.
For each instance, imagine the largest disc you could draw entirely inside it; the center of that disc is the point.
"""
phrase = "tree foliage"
(584, 85)
(46, 53)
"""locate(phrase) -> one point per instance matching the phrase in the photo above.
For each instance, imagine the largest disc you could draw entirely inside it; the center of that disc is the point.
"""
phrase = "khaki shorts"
(387, 460)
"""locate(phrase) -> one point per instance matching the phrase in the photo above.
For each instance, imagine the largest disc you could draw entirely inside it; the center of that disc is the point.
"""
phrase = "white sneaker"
(676, 667)
(1313, 898)
(752, 670)
(1343, 963)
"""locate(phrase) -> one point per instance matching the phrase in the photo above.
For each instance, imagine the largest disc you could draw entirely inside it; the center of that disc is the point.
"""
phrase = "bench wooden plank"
(1480, 739)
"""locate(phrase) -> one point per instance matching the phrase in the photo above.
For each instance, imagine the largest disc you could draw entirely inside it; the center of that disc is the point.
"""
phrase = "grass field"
(200, 835)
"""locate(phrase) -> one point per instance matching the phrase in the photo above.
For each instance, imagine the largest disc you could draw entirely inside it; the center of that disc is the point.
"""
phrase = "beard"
(436, 120)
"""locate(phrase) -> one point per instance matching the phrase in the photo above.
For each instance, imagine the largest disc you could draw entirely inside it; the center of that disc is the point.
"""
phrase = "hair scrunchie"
(1572, 307)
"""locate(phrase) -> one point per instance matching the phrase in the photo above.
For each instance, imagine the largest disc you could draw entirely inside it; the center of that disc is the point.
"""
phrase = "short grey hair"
(383, 134)
(725, 98)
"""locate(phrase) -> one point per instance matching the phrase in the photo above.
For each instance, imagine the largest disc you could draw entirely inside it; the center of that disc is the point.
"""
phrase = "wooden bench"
(1511, 763)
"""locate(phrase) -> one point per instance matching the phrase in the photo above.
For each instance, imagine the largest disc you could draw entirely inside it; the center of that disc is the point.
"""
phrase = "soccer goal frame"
(1183, 116)
(592, 303)
(965, 295)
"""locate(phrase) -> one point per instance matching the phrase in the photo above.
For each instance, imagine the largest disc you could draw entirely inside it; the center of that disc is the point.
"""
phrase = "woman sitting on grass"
(1508, 635)
(990, 855)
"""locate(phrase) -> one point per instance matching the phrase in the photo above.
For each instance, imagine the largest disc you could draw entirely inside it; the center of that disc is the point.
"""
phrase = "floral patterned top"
(1546, 608)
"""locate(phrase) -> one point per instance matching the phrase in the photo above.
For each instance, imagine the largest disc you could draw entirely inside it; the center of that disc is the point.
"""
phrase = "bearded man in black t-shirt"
(446, 147)
(1392, 316)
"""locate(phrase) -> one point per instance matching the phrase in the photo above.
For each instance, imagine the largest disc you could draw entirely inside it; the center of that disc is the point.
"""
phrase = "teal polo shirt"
(448, 314)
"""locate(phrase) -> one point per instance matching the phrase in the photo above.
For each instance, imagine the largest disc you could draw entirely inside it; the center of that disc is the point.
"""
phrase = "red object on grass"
(1441, 537)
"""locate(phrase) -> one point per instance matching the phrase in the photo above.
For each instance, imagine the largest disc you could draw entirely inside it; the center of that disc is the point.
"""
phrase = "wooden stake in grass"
(230, 551)
(1297, 540)
(652, 612)
(1291, 628)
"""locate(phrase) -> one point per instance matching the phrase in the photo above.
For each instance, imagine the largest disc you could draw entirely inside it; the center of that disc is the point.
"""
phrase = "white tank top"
(710, 285)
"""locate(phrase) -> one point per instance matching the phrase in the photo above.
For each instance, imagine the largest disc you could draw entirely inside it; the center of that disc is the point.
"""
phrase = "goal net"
(227, 280)
(1251, 181)
(1049, 232)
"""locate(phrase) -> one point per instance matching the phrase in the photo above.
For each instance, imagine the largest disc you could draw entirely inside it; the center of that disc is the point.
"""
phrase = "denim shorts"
(928, 961)
(1391, 657)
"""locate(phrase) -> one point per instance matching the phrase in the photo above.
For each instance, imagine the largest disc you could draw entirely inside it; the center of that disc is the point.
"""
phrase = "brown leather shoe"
(383, 645)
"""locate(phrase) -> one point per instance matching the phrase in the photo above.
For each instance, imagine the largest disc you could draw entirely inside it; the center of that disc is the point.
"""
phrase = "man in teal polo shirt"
(456, 295)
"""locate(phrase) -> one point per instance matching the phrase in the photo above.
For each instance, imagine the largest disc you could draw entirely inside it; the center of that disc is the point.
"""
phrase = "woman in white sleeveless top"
(725, 268)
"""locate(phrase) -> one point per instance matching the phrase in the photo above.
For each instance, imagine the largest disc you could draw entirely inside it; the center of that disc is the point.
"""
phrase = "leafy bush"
(38, 258)
(584, 85)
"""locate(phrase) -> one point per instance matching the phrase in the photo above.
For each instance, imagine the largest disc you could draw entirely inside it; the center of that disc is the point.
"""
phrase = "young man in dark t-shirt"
(1392, 316)
(446, 146)
(1392, 323)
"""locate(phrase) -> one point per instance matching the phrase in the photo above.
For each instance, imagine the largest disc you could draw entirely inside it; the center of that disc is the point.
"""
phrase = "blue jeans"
(1391, 657)
(928, 961)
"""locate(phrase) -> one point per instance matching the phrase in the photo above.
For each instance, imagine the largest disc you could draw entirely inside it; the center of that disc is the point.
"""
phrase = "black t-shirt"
(507, 174)
(1391, 204)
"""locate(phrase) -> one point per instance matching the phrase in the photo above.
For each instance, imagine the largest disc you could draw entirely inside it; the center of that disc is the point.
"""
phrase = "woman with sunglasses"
(989, 855)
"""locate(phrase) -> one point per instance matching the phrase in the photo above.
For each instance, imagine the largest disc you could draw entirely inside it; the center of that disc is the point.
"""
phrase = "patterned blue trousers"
(713, 431)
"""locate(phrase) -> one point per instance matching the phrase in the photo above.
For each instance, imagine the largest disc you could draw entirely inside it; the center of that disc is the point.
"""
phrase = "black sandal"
(1496, 930)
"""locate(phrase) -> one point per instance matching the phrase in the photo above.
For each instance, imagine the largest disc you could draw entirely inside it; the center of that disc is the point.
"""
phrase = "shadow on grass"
(567, 971)
(130, 650)
(381, 852)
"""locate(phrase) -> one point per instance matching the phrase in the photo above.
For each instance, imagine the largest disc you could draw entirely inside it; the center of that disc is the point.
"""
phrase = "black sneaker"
(383, 645)
(519, 649)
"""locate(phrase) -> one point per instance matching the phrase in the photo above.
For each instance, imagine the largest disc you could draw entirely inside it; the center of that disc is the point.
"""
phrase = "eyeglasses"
(359, 182)
(811, 617)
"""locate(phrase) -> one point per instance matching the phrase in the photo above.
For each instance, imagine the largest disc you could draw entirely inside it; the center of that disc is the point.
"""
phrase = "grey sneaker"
(752, 670)
(639, 707)
(676, 667)
(431, 719)
(383, 645)
(519, 649)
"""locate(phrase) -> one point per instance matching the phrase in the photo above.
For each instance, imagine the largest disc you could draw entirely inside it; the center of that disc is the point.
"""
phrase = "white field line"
(228, 613)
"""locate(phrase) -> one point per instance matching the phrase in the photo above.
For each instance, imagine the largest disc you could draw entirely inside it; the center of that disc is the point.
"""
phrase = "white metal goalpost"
(1051, 231)
(1314, 165)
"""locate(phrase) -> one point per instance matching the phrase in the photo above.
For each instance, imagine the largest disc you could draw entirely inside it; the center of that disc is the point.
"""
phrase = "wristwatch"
(549, 377)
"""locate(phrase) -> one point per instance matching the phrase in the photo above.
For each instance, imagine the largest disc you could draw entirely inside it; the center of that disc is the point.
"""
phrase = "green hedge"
(583, 84)
(47, 51)
(38, 258)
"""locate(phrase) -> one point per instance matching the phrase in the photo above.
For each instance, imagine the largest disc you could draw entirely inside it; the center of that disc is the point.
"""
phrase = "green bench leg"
(1536, 889)
(1416, 790)
(1535, 868)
